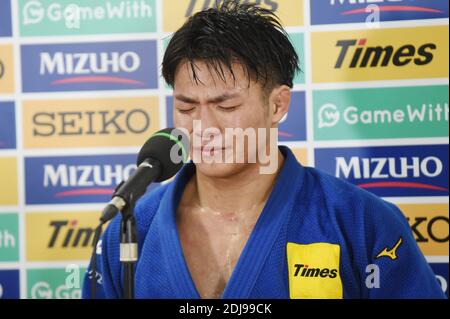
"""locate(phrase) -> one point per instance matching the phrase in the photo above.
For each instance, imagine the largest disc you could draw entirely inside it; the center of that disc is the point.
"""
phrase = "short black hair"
(234, 32)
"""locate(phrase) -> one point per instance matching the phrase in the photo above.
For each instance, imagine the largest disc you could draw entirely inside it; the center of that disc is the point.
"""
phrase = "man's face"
(219, 104)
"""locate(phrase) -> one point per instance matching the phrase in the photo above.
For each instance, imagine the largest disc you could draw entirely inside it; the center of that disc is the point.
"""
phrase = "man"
(227, 230)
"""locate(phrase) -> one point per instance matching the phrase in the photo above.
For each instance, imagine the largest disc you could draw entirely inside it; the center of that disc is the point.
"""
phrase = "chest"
(212, 248)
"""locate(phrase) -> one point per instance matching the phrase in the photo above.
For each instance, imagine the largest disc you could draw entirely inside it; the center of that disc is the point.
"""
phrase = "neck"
(243, 191)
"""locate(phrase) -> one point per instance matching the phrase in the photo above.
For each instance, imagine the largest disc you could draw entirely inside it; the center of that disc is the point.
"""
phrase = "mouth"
(209, 150)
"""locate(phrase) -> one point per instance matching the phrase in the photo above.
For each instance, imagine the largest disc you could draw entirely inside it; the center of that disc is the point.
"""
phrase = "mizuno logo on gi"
(391, 253)
(314, 270)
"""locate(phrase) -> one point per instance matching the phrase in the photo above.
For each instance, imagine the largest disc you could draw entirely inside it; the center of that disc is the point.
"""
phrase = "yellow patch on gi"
(314, 271)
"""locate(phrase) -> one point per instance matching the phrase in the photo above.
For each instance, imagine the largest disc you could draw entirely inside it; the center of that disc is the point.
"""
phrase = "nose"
(207, 119)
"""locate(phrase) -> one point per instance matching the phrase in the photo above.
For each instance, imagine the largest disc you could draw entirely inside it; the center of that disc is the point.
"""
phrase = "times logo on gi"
(307, 271)
(89, 66)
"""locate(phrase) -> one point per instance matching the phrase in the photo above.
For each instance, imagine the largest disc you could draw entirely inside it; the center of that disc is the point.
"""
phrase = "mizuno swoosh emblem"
(391, 253)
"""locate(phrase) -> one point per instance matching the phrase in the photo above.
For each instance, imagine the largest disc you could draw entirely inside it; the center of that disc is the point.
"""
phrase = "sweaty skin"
(222, 202)
(212, 241)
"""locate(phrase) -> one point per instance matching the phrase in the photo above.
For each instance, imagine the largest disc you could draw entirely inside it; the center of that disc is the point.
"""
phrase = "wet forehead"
(209, 83)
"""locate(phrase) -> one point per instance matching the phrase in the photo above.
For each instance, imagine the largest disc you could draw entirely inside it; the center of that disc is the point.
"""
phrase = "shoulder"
(352, 207)
(148, 205)
(145, 209)
(340, 193)
(109, 246)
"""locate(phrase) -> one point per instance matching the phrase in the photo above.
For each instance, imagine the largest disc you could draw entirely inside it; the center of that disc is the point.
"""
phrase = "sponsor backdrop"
(80, 91)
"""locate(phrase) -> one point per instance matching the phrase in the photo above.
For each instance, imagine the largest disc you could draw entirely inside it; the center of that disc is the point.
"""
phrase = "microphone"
(160, 158)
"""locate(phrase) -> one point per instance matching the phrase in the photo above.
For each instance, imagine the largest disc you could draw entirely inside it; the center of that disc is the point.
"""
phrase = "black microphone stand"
(128, 248)
(157, 150)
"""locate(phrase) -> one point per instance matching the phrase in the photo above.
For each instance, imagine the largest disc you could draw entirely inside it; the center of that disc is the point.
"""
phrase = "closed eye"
(228, 108)
(186, 111)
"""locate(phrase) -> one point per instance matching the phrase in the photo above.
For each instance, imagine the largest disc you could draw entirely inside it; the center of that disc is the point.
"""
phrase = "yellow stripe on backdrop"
(290, 12)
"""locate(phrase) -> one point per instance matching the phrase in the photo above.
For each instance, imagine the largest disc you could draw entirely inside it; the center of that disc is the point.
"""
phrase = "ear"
(280, 99)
